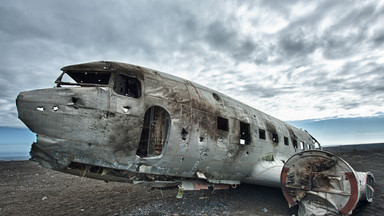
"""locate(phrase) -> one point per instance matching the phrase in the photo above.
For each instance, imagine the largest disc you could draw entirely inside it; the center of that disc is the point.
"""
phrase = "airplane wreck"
(120, 122)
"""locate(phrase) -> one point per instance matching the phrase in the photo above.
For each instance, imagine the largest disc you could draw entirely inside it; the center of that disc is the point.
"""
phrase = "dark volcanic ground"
(29, 189)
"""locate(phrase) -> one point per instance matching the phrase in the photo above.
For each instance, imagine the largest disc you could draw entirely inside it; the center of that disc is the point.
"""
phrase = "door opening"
(155, 132)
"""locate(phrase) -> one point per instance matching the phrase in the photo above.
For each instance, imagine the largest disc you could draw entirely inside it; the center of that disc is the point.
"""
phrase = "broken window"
(222, 123)
(286, 141)
(302, 146)
(245, 136)
(155, 131)
(184, 134)
(275, 138)
(83, 78)
(295, 143)
(261, 134)
(128, 86)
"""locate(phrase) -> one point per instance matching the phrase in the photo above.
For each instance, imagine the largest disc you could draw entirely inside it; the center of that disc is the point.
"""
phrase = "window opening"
(184, 134)
(261, 134)
(128, 86)
(83, 78)
(275, 138)
(90, 77)
(222, 123)
(155, 131)
(245, 136)
(302, 146)
(286, 141)
(295, 144)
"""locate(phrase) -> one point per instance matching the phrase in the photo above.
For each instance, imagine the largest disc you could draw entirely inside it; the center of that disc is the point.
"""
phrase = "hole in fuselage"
(74, 99)
(154, 134)
(184, 134)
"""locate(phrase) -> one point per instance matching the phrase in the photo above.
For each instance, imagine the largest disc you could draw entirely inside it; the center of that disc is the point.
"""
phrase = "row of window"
(131, 87)
(245, 134)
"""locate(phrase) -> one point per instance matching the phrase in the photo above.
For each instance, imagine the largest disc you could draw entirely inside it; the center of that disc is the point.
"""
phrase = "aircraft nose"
(65, 113)
(78, 124)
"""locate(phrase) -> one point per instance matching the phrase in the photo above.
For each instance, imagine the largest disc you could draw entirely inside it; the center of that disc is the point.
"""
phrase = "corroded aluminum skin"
(104, 130)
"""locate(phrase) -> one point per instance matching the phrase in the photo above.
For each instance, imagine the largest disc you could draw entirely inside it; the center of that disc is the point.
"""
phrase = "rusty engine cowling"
(324, 184)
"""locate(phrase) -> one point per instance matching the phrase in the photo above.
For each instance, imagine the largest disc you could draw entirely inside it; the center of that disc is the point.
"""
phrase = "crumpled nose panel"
(73, 113)
(78, 124)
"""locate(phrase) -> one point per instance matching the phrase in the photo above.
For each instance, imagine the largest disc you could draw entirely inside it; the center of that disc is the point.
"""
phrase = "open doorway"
(155, 131)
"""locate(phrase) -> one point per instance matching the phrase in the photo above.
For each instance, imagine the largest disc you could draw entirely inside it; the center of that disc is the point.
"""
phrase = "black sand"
(29, 189)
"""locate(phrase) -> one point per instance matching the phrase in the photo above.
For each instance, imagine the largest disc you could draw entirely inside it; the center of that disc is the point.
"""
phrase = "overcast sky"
(295, 60)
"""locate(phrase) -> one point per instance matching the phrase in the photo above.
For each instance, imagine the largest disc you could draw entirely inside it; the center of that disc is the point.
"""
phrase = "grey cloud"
(363, 84)
(339, 46)
(357, 17)
(377, 89)
(349, 33)
(320, 107)
(379, 38)
(219, 36)
(14, 21)
(346, 34)
(245, 49)
(102, 26)
(363, 79)
(281, 6)
(298, 42)
(267, 92)
(9, 119)
(370, 91)
(349, 106)
(225, 38)
(330, 84)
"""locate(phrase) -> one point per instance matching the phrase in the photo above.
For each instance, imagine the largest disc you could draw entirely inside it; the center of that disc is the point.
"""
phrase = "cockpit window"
(128, 86)
(83, 78)
(90, 77)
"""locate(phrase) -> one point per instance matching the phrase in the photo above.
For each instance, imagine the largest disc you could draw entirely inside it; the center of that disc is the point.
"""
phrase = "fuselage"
(128, 123)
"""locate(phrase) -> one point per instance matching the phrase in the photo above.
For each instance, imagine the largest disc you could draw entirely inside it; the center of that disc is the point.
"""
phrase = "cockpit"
(121, 83)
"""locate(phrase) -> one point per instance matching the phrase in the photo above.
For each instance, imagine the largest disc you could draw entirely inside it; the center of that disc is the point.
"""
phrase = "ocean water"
(15, 143)
(14, 158)
(10, 152)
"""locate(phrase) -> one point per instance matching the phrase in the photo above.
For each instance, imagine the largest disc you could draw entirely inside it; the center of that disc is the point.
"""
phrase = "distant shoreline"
(14, 158)
(354, 147)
